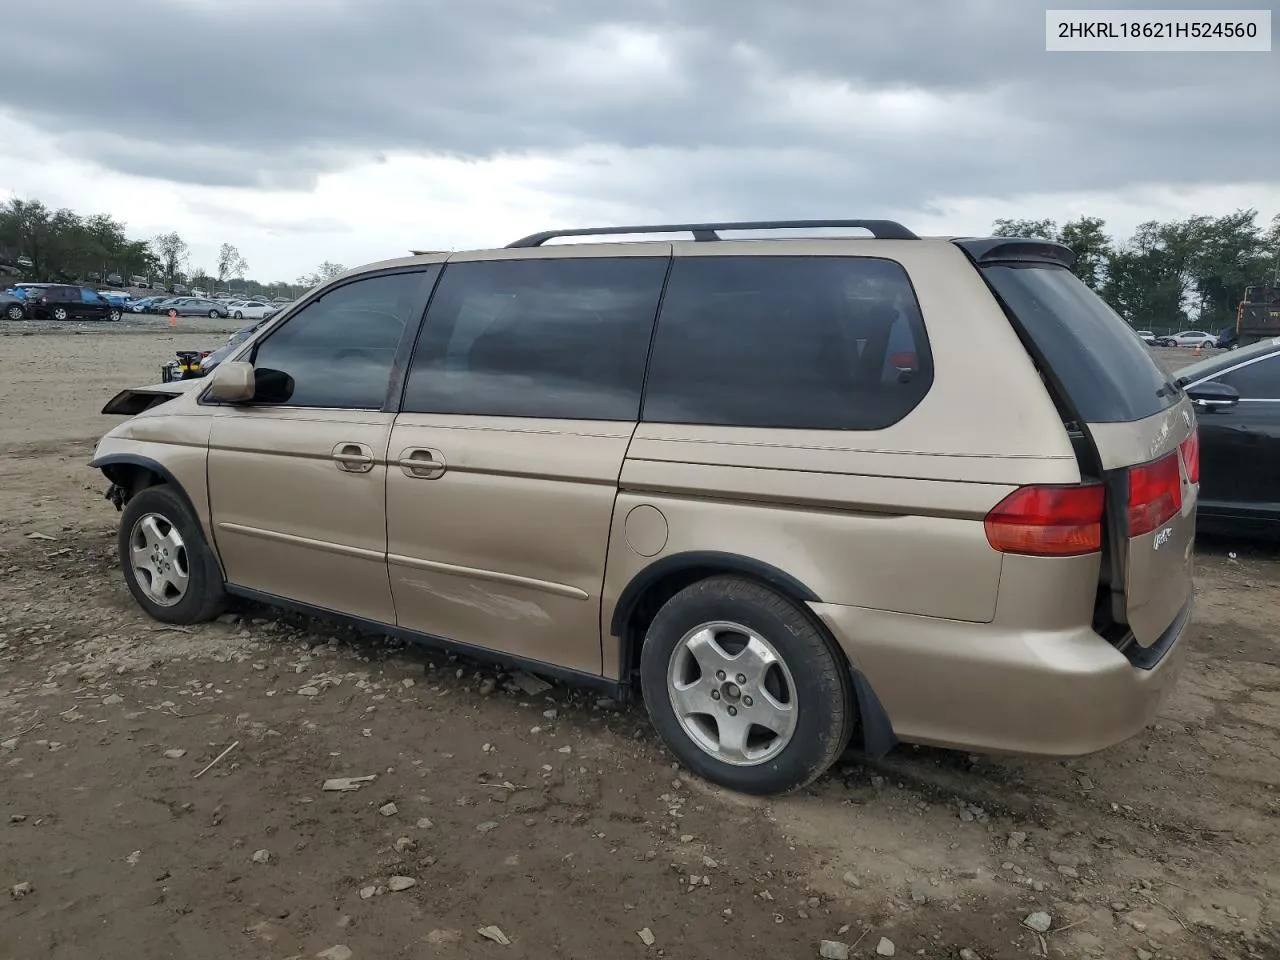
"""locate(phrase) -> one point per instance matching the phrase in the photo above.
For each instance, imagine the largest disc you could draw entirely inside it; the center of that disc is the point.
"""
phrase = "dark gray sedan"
(12, 308)
(194, 307)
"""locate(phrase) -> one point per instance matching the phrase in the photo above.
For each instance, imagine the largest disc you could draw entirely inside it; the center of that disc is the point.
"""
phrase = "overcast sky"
(352, 130)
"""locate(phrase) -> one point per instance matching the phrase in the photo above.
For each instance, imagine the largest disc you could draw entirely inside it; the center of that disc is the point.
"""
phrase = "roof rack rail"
(880, 229)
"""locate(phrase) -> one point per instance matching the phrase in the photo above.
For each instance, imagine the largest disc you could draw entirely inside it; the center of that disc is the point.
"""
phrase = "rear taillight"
(1048, 521)
(1155, 494)
(1191, 456)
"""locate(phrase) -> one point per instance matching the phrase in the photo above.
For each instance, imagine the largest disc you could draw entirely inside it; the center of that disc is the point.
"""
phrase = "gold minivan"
(796, 492)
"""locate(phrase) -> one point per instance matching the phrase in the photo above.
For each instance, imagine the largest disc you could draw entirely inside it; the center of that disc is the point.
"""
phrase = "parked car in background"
(1146, 336)
(29, 291)
(115, 280)
(57, 301)
(195, 307)
(1237, 398)
(1192, 338)
(116, 298)
(179, 290)
(145, 304)
(275, 307)
(735, 528)
(247, 309)
(1228, 339)
(12, 306)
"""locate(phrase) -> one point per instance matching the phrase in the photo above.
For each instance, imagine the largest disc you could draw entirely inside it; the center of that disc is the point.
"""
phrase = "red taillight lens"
(1191, 456)
(1048, 521)
(1155, 494)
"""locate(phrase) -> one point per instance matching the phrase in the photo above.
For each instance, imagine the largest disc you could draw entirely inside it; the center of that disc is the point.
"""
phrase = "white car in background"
(247, 309)
(1194, 338)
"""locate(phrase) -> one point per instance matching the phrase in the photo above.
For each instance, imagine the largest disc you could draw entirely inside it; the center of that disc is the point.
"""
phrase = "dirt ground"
(546, 813)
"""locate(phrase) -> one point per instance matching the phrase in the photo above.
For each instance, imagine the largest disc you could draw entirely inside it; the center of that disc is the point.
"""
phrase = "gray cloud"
(771, 105)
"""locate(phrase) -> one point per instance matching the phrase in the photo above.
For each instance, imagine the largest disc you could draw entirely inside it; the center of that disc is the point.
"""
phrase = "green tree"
(1087, 237)
(171, 252)
(1027, 229)
(1147, 278)
(1225, 255)
(326, 271)
(230, 264)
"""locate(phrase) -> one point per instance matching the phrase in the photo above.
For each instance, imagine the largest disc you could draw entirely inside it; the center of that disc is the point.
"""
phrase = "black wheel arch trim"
(714, 560)
(878, 737)
(876, 729)
(107, 461)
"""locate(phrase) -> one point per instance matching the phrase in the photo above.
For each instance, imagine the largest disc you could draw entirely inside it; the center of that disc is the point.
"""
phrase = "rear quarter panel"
(888, 519)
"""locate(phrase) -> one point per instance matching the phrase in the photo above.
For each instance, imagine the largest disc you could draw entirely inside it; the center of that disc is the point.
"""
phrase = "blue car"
(145, 304)
(116, 298)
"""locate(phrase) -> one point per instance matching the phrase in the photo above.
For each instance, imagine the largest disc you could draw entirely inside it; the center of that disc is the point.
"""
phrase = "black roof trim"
(880, 229)
(985, 250)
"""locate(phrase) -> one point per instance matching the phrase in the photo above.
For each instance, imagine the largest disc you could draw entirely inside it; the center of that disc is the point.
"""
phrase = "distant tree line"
(1180, 273)
(40, 244)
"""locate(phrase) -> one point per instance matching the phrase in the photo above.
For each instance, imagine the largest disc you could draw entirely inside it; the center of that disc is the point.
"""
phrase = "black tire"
(214, 315)
(204, 597)
(239, 315)
(823, 690)
(59, 310)
(14, 311)
(115, 315)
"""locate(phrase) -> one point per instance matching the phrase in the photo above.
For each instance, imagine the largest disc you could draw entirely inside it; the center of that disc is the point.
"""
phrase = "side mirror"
(232, 382)
(1212, 395)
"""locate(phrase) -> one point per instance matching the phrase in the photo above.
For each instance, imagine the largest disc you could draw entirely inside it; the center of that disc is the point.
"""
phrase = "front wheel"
(14, 312)
(239, 315)
(168, 566)
(115, 315)
(744, 689)
(213, 314)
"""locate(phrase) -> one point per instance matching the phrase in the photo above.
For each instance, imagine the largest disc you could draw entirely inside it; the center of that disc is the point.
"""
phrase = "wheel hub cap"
(732, 693)
(158, 559)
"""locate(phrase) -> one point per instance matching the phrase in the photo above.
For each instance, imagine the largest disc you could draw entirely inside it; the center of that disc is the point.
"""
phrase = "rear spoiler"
(988, 250)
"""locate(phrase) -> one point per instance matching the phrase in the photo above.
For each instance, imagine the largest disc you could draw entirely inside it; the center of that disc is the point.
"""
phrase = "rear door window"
(806, 343)
(557, 339)
(1107, 373)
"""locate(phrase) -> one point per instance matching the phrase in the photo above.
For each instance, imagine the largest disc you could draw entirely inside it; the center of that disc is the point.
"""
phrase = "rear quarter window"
(1107, 373)
(804, 343)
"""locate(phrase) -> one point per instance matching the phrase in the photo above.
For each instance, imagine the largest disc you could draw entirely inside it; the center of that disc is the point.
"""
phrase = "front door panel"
(298, 500)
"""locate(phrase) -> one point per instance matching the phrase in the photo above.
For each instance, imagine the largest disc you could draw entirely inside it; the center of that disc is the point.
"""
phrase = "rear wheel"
(744, 689)
(115, 315)
(213, 314)
(239, 315)
(168, 566)
(59, 313)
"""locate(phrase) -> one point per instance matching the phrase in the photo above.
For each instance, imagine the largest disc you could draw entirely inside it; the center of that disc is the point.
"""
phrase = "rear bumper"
(981, 687)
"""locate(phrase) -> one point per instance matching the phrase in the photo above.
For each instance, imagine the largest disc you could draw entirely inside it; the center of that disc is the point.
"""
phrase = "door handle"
(421, 463)
(353, 457)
